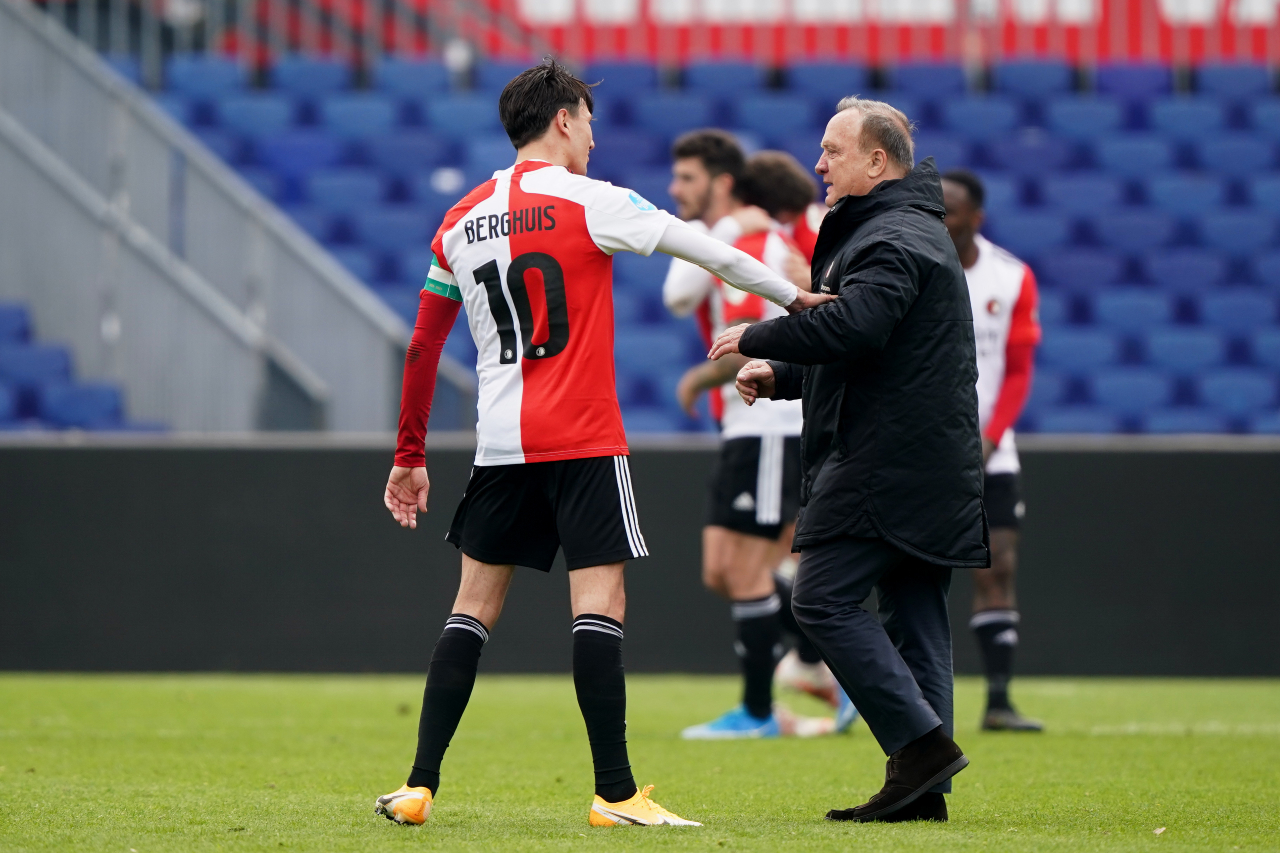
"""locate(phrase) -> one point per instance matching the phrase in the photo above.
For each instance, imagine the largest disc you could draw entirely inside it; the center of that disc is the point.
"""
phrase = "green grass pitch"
(177, 763)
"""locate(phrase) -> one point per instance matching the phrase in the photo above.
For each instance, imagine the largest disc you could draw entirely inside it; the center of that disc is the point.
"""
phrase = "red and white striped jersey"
(804, 231)
(1002, 290)
(530, 252)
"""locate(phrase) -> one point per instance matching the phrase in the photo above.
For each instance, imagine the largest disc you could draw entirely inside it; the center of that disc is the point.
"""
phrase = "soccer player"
(1007, 328)
(528, 253)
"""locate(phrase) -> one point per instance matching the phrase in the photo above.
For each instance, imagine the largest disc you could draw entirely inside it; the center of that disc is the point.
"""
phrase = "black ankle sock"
(450, 678)
(759, 636)
(997, 635)
(807, 651)
(601, 684)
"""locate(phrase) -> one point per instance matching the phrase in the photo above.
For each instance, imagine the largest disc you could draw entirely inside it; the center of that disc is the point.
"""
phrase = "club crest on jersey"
(493, 226)
(993, 307)
(640, 201)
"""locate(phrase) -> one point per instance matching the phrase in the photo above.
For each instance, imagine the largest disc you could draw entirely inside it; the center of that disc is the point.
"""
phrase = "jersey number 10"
(557, 308)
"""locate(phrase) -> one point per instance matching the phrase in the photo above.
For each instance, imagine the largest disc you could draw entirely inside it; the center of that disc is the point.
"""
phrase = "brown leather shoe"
(909, 774)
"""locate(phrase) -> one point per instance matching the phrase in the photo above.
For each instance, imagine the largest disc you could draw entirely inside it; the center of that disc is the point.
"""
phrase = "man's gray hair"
(884, 126)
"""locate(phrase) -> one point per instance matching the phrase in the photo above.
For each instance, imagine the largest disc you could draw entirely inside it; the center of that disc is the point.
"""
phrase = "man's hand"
(804, 299)
(407, 494)
(688, 390)
(726, 342)
(755, 381)
(988, 447)
(752, 219)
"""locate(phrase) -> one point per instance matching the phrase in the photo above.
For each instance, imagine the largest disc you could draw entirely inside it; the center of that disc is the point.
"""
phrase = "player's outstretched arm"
(406, 494)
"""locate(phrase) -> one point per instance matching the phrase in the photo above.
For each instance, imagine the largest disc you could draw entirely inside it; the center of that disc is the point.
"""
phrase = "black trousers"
(896, 669)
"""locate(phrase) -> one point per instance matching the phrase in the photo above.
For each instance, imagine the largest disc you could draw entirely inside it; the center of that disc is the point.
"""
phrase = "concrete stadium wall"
(1138, 558)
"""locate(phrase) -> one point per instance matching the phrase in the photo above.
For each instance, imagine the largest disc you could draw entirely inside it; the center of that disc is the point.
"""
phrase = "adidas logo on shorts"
(744, 502)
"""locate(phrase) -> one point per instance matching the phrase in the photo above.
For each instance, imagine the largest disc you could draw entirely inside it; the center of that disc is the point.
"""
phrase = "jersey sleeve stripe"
(441, 281)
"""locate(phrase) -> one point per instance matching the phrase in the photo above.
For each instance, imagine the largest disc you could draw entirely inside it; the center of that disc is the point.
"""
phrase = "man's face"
(580, 139)
(963, 217)
(690, 188)
(843, 164)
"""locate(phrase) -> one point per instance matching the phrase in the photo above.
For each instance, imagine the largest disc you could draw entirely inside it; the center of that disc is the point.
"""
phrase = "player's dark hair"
(719, 152)
(533, 97)
(972, 185)
(775, 181)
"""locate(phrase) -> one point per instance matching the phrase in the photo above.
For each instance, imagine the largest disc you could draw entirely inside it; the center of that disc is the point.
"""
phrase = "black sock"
(997, 635)
(759, 636)
(450, 678)
(807, 651)
(601, 684)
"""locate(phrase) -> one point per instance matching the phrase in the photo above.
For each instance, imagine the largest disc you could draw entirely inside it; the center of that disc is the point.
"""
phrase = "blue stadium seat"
(647, 420)
(650, 184)
(1186, 195)
(1079, 350)
(1048, 388)
(15, 323)
(1002, 194)
(299, 153)
(492, 76)
(461, 117)
(1264, 192)
(1183, 420)
(344, 190)
(361, 116)
(1081, 193)
(638, 272)
(772, 115)
(827, 82)
(409, 151)
(629, 78)
(1033, 79)
(1077, 419)
(662, 347)
(1134, 81)
(1028, 232)
(485, 155)
(1265, 424)
(437, 190)
(311, 76)
(1266, 269)
(1185, 118)
(411, 78)
(1233, 81)
(1133, 155)
(176, 106)
(264, 180)
(669, 114)
(948, 152)
(1264, 117)
(1079, 269)
(82, 406)
(1265, 345)
(394, 228)
(1084, 118)
(320, 224)
(719, 79)
(126, 65)
(256, 115)
(928, 81)
(358, 262)
(1237, 392)
(1185, 350)
(1133, 231)
(980, 118)
(204, 76)
(1237, 232)
(1133, 309)
(9, 411)
(1185, 270)
(1238, 310)
(223, 145)
(619, 150)
(30, 365)
(414, 264)
(629, 309)
(1131, 390)
(1030, 151)
(1238, 155)
(404, 302)
(910, 106)
(1054, 309)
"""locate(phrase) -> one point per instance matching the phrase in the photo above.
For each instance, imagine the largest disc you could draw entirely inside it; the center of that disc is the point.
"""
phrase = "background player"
(529, 254)
(1007, 327)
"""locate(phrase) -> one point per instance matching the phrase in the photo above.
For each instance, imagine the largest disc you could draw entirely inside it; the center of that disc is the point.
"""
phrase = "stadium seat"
(1029, 151)
(1265, 346)
(1238, 310)
(176, 106)
(826, 83)
(408, 151)
(639, 272)
(264, 180)
(1131, 390)
(393, 228)
(1133, 309)
(1266, 269)
(1079, 350)
(1033, 79)
(358, 262)
(1237, 232)
(461, 117)
(1183, 420)
(1185, 195)
(8, 404)
(1002, 194)
(404, 302)
(719, 79)
(320, 224)
(1054, 309)
(1187, 119)
(225, 146)
(928, 81)
(980, 118)
(81, 406)
(1133, 155)
(1082, 193)
(629, 78)
(651, 419)
(484, 155)
(204, 76)
(650, 184)
(1238, 154)
(344, 190)
(1028, 232)
(1264, 193)
(1234, 81)
(773, 116)
(662, 347)
(619, 150)
(1237, 392)
(1264, 117)
(492, 76)
(1134, 81)
(299, 153)
(807, 148)
(1077, 419)
(1184, 270)
(257, 115)
(1048, 388)
(1265, 424)
(1079, 269)
(1133, 231)
(29, 365)
(411, 78)
(15, 323)
(629, 309)
(361, 116)
(669, 114)
(1185, 350)
(311, 76)
(1084, 118)
(947, 151)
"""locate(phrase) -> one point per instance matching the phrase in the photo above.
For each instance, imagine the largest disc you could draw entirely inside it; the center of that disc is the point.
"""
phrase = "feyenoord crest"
(993, 307)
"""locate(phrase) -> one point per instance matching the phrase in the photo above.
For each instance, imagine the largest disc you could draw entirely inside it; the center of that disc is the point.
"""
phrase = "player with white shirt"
(529, 254)
(1006, 327)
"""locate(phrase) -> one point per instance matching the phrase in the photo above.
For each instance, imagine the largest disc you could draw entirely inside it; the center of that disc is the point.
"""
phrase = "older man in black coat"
(892, 492)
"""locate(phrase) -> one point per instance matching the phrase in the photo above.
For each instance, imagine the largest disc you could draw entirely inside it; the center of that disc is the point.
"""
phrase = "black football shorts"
(755, 487)
(1002, 496)
(523, 514)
